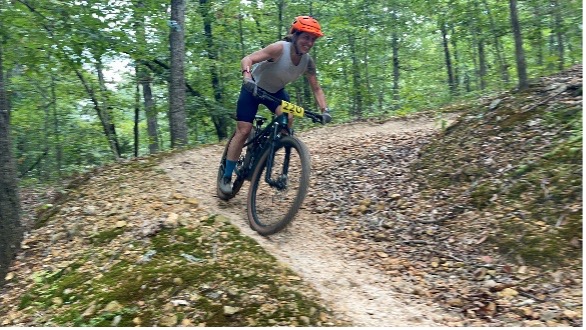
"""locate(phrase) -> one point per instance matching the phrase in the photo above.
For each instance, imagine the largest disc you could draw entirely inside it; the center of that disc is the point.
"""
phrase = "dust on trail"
(354, 290)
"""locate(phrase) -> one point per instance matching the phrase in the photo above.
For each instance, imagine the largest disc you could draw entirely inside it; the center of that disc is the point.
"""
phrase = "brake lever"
(317, 119)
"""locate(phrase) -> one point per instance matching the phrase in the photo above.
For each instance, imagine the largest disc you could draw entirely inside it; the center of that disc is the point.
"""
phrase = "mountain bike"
(277, 164)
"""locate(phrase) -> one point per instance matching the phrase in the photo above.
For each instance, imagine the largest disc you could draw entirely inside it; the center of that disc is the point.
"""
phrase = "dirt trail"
(356, 291)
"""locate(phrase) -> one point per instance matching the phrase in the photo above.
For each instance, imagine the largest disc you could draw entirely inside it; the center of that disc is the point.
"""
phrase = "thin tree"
(501, 60)
(56, 127)
(10, 227)
(396, 69)
(136, 114)
(447, 57)
(356, 76)
(280, 9)
(145, 79)
(396, 66)
(519, 52)
(220, 120)
(479, 40)
(557, 28)
(482, 66)
(536, 36)
(103, 109)
(457, 63)
(177, 115)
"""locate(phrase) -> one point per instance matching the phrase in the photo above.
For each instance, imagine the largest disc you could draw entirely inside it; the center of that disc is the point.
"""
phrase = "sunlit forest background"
(88, 81)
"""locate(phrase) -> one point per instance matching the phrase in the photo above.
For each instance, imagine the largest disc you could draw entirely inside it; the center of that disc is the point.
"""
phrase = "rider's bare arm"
(311, 74)
(272, 51)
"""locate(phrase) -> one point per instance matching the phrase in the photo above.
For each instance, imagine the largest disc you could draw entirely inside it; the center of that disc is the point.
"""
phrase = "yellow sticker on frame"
(292, 109)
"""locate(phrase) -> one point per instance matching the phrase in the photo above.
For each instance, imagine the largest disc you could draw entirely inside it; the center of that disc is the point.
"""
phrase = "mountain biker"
(273, 67)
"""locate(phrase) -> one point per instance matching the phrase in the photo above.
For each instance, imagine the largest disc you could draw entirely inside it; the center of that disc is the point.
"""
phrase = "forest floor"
(313, 245)
(148, 243)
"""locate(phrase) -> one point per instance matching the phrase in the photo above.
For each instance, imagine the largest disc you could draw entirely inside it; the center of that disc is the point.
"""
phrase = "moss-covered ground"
(110, 256)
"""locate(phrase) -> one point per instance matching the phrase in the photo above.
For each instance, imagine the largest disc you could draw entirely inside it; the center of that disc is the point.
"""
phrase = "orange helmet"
(306, 24)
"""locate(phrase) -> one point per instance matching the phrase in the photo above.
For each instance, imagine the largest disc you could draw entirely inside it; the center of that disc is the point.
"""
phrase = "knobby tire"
(265, 204)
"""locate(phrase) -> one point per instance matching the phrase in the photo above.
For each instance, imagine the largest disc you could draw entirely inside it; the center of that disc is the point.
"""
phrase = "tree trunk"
(356, 79)
(262, 43)
(537, 35)
(104, 108)
(448, 59)
(177, 114)
(457, 64)
(467, 84)
(56, 129)
(10, 227)
(136, 112)
(557, 27)
(396, 72)
(145, 80)
(369, 94)
(151, 115)
(482, 70)
(280, 10)
(45, 170)
(220, 119)
(478, 61)
(519, 52)
(102, 114)
(497, 44)
(241, 31)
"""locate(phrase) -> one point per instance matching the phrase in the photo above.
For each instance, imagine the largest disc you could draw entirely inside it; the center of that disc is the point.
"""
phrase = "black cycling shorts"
(247, 105)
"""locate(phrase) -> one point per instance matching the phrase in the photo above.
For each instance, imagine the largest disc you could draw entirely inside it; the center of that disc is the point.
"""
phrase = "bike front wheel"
(274, 203)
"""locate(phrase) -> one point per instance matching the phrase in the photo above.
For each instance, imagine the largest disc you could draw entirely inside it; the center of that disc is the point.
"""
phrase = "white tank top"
(273, 76)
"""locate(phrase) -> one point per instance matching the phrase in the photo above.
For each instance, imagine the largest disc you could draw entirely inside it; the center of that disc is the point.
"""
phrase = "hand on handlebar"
(326, 117)
(250, 86)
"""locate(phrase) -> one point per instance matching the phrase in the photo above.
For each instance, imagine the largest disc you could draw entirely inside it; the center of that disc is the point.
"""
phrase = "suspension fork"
(269, 169)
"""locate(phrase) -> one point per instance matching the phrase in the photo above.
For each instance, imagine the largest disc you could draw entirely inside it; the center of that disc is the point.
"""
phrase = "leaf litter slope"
(122, 250)
(357, 291)
(483, 219)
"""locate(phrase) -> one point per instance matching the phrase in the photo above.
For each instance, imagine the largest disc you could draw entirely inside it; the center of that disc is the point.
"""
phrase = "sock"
(230, 164)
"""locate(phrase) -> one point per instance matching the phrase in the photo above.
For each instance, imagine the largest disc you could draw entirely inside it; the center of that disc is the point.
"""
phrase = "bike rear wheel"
(237, 182)
(271, 208)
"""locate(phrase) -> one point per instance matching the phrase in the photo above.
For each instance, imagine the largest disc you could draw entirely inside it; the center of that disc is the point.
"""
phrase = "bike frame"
(273, 133)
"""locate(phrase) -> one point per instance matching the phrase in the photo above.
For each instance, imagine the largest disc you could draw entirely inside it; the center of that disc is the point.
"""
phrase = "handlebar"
(263, 94)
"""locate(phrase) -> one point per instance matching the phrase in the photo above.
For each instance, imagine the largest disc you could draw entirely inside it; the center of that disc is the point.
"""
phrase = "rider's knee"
(243, 132)
(243, 127)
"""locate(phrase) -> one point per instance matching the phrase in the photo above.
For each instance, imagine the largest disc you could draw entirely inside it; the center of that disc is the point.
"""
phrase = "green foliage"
(57, 130)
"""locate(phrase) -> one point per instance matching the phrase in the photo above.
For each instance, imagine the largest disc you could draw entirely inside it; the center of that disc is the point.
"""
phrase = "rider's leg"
(279, 111)
(246, 109)
(235, 148)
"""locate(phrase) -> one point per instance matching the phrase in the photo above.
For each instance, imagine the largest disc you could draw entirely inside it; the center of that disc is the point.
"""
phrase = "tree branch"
(37, 162)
